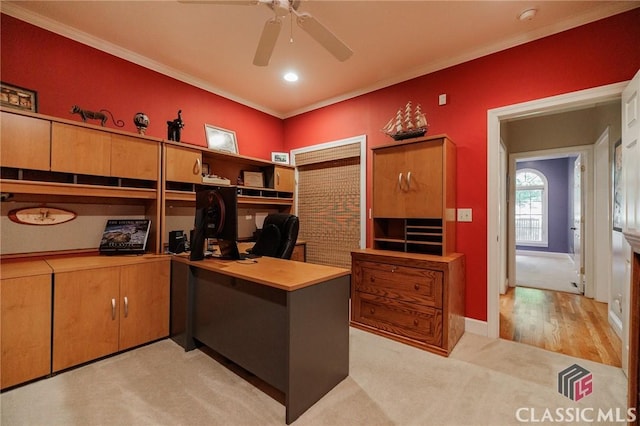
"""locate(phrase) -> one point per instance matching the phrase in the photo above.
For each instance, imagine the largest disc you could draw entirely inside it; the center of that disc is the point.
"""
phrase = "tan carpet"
(536, 270)
(484, 382)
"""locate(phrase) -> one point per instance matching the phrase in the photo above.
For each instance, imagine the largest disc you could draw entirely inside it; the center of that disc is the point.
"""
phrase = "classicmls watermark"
(575, 382)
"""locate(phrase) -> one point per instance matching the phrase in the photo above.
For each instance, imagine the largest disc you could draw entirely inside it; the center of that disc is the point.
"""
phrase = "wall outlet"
(464, 215)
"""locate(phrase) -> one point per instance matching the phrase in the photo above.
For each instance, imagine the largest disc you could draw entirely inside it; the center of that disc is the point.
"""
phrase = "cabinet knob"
(415, 322)
(372, 279)
(417, 286)
(393, 268)
(372, 311)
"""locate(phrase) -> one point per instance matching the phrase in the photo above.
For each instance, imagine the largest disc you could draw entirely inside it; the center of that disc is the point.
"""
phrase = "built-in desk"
(286, 322)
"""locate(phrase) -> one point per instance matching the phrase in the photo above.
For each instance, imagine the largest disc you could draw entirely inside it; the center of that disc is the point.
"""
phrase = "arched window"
(531, 208)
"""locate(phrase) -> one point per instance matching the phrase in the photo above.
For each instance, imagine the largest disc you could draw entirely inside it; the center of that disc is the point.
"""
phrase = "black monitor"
(216, 217)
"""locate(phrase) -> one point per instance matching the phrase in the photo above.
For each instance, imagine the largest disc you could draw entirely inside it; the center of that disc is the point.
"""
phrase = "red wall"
(66, 73)
(600, 53)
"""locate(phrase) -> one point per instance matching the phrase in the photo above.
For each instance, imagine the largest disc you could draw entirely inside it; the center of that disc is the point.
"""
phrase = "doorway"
(496, 239)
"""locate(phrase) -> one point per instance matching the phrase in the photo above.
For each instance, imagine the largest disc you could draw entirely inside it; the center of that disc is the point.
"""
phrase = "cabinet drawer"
(401, 283)
(419, 323)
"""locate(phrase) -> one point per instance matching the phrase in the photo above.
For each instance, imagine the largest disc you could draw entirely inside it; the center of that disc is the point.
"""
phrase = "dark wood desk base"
(297, 341)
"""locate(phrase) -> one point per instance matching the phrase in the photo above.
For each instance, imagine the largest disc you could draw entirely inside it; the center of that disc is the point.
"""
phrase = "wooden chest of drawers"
(412, 298)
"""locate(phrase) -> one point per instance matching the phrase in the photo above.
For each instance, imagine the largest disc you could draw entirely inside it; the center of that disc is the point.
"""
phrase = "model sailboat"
(407, 124)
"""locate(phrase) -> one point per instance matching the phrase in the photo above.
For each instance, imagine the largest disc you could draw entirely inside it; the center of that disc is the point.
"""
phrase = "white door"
(630, 189)
(578, 222)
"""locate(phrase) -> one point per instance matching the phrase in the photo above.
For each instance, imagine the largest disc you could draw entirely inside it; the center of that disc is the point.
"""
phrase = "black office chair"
(278, 237)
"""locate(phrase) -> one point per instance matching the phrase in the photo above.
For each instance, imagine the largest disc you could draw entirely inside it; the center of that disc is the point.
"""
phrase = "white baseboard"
(475, 326)
(614, 322)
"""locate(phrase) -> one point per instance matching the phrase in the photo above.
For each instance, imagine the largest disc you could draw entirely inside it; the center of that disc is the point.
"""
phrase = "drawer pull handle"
(415, 322)
(197, 168)
(113, 309)
(393, 269)
(408, 180)
(126, 307)
(400, 180)
(417, 286)
(372, 311)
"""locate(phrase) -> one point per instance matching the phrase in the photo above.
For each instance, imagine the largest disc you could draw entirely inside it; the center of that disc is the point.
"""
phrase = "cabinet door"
(284, 179)
(388, 182)
(407, 181)
(80, 150)
(144, 294)
(25, 142)
(25, 339)
(134, 158)
(183, 165)
(85, 316)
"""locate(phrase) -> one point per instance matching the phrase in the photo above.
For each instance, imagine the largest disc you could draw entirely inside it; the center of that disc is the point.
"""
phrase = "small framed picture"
(220, 139)
(255, 179)
(205, 169)
(18, 97)
(280, 157)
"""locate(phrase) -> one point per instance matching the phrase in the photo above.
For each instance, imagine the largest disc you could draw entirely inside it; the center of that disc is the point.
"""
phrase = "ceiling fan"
(272, 28)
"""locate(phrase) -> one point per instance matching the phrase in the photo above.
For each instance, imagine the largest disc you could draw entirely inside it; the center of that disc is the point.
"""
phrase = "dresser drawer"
(421, 323)
(400, 283)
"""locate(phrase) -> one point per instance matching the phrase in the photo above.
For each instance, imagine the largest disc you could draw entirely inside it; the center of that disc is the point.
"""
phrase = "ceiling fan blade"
(267, 42)
(325, 37)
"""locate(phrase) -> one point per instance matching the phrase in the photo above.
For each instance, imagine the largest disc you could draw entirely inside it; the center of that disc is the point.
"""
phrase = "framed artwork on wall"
(220, 139)
(18, 97)
(617, 186)
(280, 157)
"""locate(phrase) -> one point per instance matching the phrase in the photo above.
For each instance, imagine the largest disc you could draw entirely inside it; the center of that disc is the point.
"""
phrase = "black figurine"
(174, 128)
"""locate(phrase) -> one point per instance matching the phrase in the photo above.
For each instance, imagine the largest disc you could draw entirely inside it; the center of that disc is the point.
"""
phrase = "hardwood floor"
(560, 322)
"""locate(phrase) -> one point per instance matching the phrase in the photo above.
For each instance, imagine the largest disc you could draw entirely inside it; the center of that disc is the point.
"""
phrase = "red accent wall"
(66, 73)
(600, 53)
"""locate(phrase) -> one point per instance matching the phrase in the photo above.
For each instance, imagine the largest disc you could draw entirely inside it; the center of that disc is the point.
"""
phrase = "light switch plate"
(464, 215)
(442, 99)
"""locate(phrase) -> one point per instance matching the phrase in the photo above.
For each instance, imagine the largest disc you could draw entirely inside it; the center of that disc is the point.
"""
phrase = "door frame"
(495, 239)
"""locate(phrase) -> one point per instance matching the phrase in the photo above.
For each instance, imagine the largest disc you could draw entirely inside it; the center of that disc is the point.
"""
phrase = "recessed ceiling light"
(528, 14)
(291, 76)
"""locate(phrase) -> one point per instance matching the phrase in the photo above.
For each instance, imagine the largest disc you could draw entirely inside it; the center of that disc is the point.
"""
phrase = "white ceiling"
(212, 46)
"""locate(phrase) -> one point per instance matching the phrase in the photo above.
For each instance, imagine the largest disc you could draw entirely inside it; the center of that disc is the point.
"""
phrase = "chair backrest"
(278, 237)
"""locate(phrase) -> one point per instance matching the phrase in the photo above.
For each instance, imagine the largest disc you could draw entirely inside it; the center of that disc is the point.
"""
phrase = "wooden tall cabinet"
(410, 286)
(414, 196)
(25, 320)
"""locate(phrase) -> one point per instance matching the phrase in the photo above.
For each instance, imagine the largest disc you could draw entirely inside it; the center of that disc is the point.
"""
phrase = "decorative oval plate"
(41, 216)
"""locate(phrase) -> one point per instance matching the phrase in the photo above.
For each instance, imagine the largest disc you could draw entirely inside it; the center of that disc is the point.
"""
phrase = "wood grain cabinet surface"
(412, 298)
(25, 142)
(25, 318)
(102, 310)
(183, 164)
(414, 196)
(284, 179)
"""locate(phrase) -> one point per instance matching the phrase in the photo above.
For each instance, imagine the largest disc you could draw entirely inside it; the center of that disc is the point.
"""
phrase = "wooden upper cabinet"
(284, 179)
(25, 142)
(76, 149)
(408, 180)
(25, 318)
(134, 158)
(183, 164)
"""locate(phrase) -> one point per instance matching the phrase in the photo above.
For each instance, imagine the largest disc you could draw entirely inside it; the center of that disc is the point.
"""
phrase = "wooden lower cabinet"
(101, 311)
(25, 318)
(416, 299)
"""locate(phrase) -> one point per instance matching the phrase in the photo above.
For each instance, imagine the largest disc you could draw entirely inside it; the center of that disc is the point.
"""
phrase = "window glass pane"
(530, 209)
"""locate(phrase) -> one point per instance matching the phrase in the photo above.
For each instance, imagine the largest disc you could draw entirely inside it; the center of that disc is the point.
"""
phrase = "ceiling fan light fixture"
(528, 14)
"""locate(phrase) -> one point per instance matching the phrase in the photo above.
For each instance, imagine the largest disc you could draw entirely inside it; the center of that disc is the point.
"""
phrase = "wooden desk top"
(284, 274)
